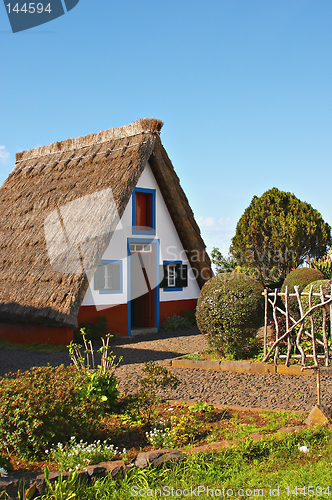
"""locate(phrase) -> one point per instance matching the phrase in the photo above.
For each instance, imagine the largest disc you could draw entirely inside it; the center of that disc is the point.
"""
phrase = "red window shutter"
(143, 203)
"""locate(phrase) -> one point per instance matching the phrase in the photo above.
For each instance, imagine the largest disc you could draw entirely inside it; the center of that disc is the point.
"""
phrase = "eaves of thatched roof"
(46, 179)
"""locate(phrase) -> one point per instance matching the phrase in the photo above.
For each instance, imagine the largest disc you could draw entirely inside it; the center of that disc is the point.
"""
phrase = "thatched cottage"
(96, 226)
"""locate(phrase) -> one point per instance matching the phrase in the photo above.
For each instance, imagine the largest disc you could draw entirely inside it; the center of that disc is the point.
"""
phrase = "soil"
(227, 388)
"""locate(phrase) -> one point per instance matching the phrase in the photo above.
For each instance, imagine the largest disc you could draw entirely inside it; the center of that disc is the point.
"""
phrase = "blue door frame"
(146, 241)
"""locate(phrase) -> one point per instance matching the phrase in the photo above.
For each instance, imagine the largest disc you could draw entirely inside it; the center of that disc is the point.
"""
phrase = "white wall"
(170, 249)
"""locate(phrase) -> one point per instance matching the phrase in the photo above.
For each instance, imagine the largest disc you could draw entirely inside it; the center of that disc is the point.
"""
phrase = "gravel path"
(236, 389)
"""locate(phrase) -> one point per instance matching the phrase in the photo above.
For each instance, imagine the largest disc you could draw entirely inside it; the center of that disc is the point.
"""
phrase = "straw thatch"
(45, 266)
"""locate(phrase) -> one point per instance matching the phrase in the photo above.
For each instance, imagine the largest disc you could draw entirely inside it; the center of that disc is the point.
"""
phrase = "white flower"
(3, 472)
(304, 449)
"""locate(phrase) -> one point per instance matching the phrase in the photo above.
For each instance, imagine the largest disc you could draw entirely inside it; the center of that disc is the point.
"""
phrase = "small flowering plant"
(162, 435)
(79, 455)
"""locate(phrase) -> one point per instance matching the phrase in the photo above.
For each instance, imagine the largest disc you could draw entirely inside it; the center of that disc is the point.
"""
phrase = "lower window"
(108, 277)
(174, 276)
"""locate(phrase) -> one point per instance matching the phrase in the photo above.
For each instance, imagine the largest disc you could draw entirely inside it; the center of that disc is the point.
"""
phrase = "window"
(144, 211)
(108, 277)
(174, 276)
(139, 247)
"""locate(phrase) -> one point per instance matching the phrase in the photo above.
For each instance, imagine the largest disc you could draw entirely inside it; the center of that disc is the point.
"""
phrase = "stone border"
(245, 367)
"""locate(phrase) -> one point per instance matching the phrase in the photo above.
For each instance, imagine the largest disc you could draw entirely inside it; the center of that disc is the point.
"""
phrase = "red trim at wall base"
(116, 317)
(29, 334)
(176, 307)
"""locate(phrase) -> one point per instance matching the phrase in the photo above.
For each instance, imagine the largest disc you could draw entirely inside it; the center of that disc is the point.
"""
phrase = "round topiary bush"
(318, 313)
(230, 308)
(301, 277)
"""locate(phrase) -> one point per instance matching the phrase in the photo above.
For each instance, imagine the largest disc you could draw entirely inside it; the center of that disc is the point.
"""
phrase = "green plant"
(195, 356)
(300, 277)
(102, 383)
(200, 406)
(228, 264)
(155, 378)
(62, 490)
(190, 316)
(176, 322)
(43, 406)
(73, 455)
(278, 232)
(230, 308)
(324, 265)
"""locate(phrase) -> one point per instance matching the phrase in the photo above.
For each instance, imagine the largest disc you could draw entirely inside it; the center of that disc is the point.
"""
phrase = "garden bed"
(196, 425)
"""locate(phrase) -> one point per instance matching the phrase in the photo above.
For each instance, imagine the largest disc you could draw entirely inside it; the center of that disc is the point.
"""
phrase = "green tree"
(277, 233)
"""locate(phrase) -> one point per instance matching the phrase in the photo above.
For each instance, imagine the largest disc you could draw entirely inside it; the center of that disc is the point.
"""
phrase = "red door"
(142, 273)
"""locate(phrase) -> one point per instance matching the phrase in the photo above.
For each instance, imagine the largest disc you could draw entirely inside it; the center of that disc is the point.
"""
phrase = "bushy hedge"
(44, 406)
(230, 308)
(301, 277)
(318, 313)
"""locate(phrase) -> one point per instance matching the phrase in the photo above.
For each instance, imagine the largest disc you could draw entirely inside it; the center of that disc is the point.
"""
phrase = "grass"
(5, 344)
(274, 464)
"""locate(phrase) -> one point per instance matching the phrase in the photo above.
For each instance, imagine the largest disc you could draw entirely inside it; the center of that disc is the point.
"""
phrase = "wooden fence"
(317, 338)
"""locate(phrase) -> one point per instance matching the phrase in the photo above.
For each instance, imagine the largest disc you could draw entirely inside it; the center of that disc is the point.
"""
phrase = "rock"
(13, 484)
(216, 446)
(287, 430)
(157, 457)
(319, 415)
(96, 470)
(114, 467)
(255, 436)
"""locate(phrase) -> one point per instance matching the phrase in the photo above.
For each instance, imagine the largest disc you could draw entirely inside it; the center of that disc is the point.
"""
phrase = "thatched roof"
(44, 246)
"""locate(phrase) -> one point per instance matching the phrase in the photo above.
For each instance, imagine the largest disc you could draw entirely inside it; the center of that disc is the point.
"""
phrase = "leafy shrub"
(176, 322)
(155, 378)
(318, 313)
(44, 406)
(300, 277)
(229, 310)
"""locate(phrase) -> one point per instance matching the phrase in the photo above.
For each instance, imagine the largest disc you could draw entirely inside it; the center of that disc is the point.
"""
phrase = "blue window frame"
(174, 276)
(144, 211)
(108, 277)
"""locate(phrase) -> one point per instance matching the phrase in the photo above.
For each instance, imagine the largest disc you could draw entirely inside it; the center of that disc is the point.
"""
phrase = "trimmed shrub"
(43, 406)
(300, 277)
(230, 308)
(318, 313)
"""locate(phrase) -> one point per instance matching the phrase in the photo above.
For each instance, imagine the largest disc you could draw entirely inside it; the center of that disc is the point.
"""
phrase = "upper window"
(174, 276)
(144, 211)
(108, 277)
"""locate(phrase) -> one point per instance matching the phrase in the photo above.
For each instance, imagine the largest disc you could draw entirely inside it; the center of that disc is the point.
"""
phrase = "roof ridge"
(139, 127)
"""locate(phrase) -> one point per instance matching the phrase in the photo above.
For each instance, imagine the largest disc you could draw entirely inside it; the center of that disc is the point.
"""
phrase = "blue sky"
(243, 87)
